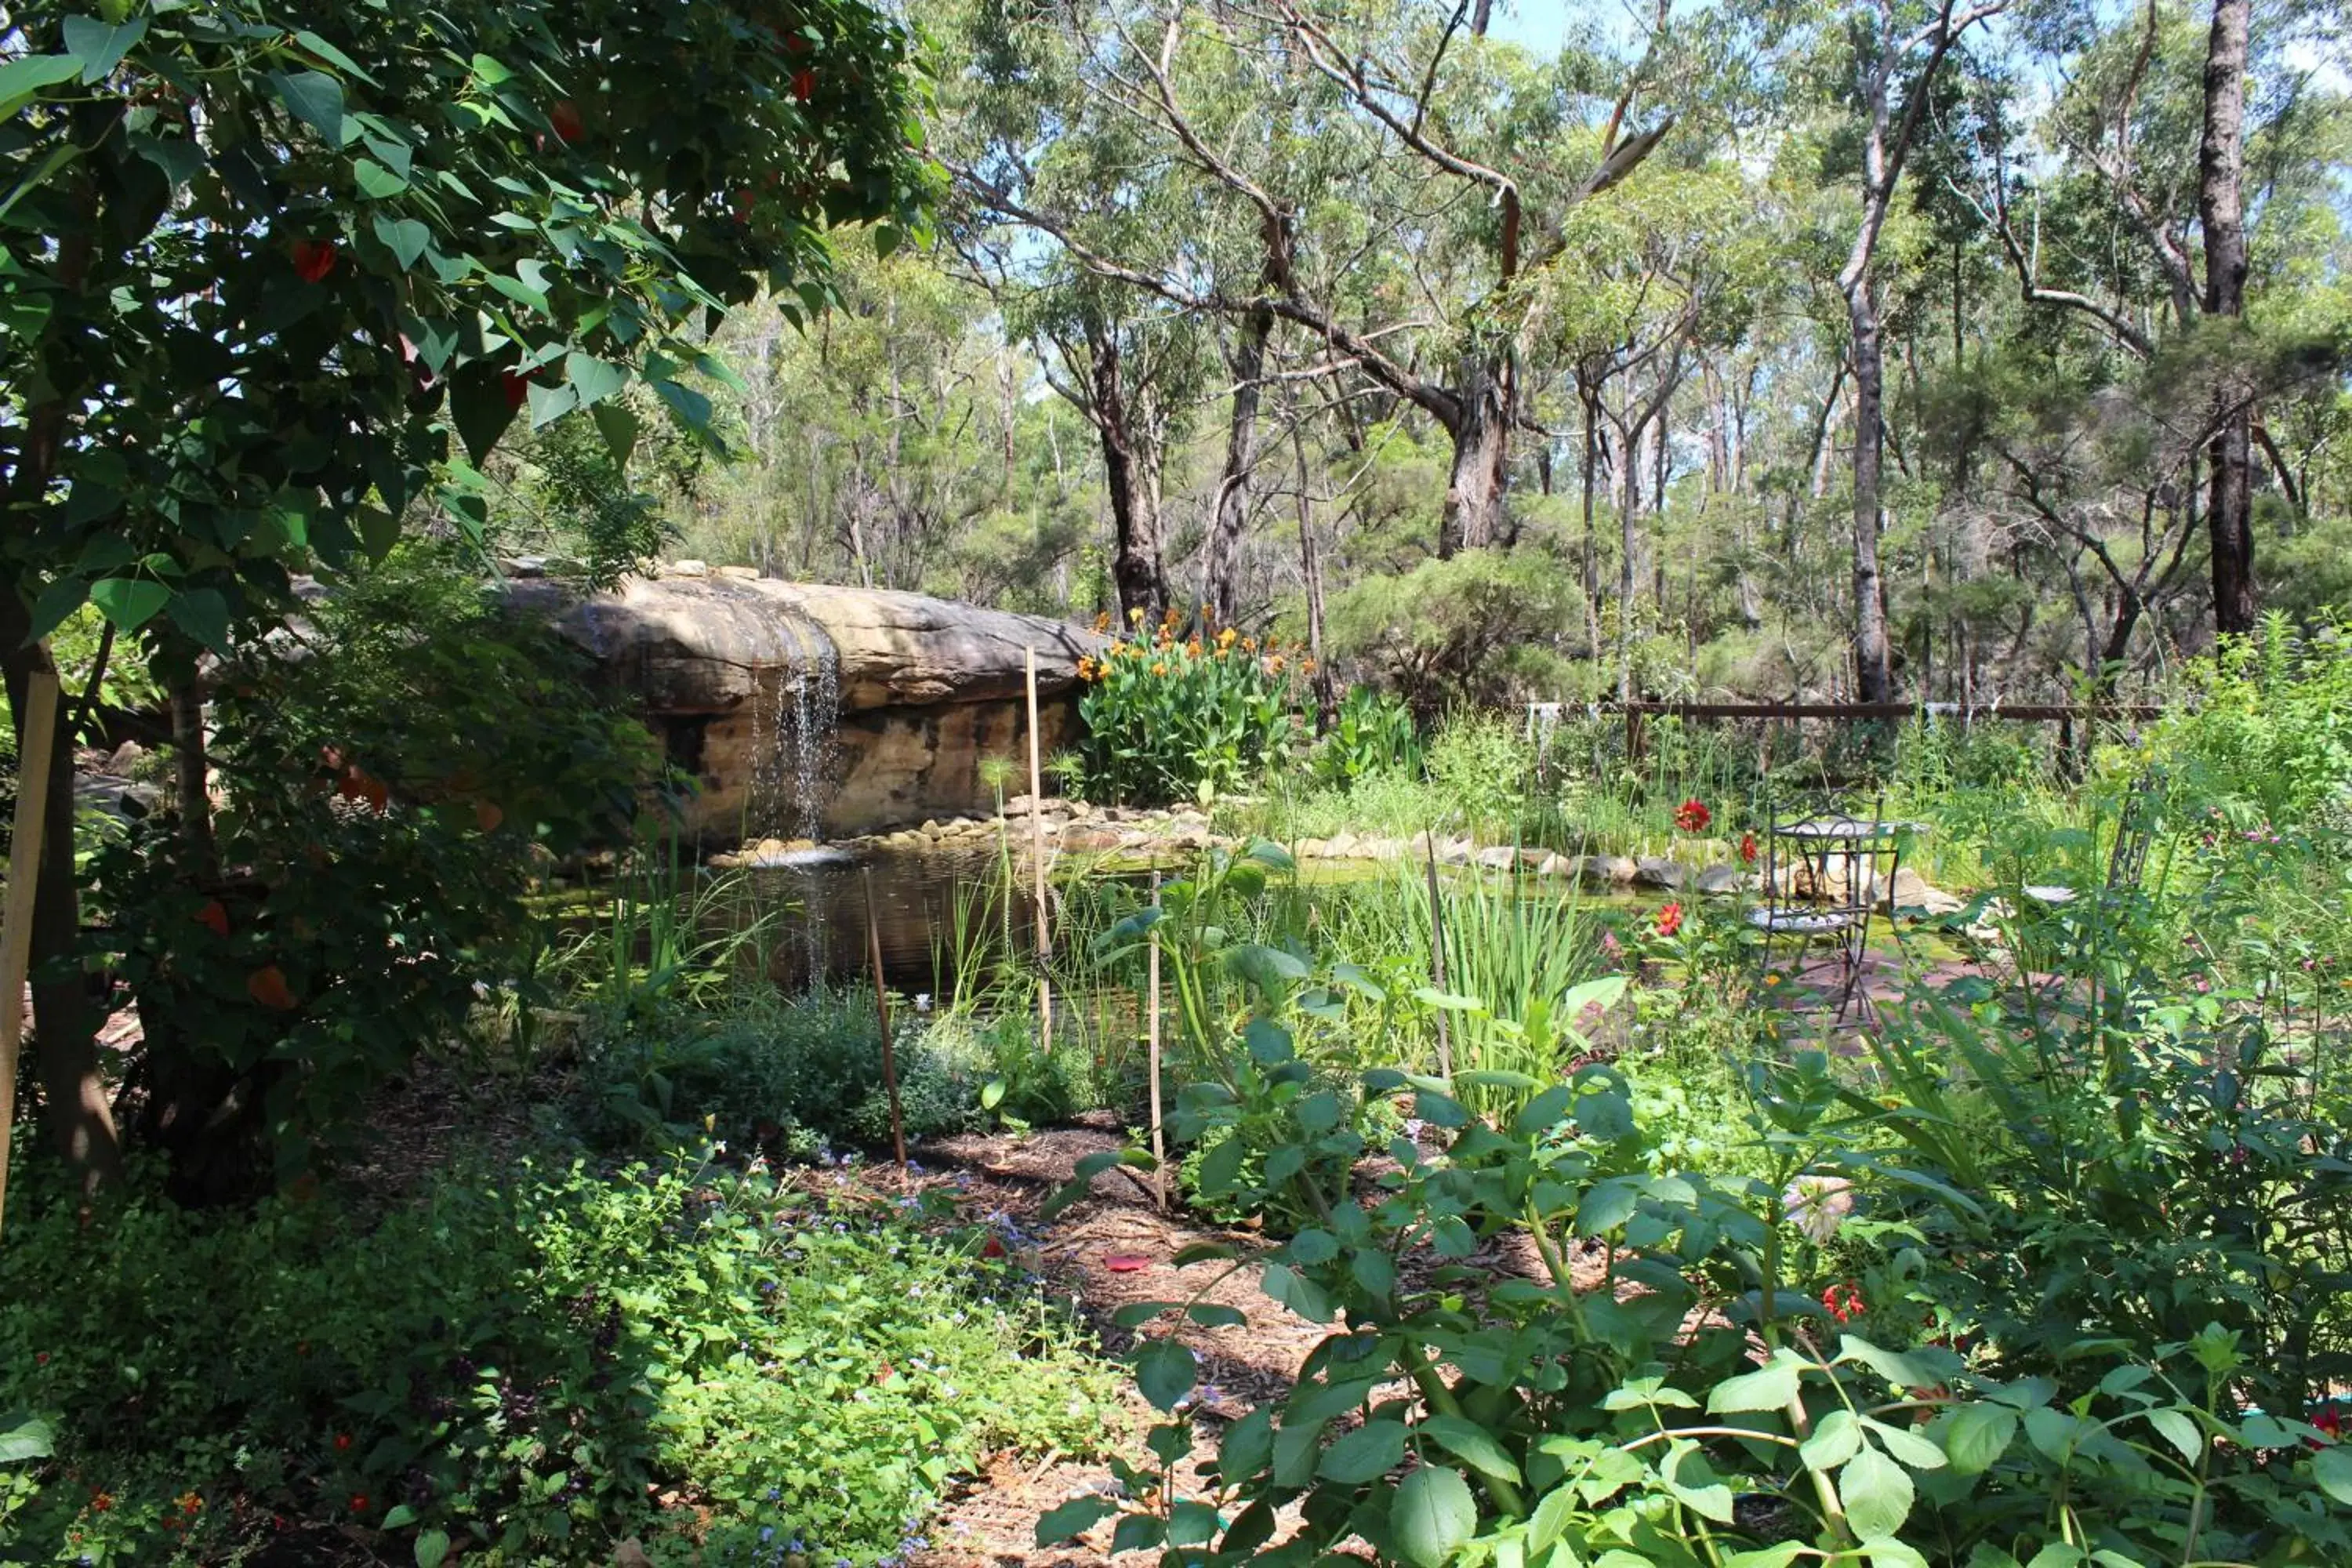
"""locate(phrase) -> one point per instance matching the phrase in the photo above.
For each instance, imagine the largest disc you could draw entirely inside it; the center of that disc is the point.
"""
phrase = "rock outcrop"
(814, 711)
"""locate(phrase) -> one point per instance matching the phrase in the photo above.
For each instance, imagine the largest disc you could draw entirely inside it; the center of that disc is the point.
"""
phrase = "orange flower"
(1085, 667)
(268, 986)
(1274, 665)
(1102, 622)
(1192, 645)
(213, 917)
(1158, 667)
(1249, 645)
(1307, 665)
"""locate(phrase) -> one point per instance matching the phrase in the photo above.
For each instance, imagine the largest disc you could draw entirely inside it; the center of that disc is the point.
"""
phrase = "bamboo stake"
(1437, 955)
(882, 1010)
(1151, 1015)
(1037, 859)
(35, 745)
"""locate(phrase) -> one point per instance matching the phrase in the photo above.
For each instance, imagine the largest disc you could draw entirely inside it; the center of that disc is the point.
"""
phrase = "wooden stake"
(1437, 955)
(1152, 1017)
(1037, 857)
(34, 745)
(882, 1010)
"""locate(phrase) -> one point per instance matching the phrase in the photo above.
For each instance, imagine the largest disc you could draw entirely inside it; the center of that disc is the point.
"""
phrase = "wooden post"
(1151, 1034)
(1037, 857)
(882, 1011)
(1437, 955)
(33, 744)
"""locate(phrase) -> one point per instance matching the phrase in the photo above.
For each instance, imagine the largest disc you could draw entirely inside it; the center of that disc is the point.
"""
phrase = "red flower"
(804, 84)
(313, 258)
(564, 118)
(1692, 816)
(517, 387)
(1845, 1301)
(342, 1442)
(100, 1501)
(2329, 1418)
(214, 918)
(359, 1501)
(1747, 847)
(1670, 919)
(992, 1248)
(40, 1357)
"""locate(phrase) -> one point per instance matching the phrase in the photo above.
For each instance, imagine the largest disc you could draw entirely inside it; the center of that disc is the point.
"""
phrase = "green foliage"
(527, 1360)
(398, 782)
(292, 265)
(793, 1077)
(1465, 630)
(1483, 765)
(1372, 733)
(2269, 737)
(1169, 720)
(1571, 1416)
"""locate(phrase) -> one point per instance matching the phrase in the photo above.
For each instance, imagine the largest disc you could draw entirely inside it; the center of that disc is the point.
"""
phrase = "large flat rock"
(727, 668)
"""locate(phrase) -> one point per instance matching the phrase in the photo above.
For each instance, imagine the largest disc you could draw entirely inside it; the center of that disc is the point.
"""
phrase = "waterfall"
(795, 714)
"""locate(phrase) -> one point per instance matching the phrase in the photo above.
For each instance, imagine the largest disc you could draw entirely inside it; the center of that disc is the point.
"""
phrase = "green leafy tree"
(276, 277)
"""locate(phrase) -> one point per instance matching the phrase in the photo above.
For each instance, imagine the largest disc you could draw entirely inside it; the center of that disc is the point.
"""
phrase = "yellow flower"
(1225, 638)
(1307, 665)
(1274, 665)
(1135, 617)
(1192, 645)
(1085, 667)
(1158, 668)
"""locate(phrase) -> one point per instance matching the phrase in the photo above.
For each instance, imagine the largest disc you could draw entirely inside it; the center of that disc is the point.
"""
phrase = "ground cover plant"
(522, 1360)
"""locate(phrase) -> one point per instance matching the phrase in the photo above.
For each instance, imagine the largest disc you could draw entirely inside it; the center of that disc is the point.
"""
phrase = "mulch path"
(1111, 1249)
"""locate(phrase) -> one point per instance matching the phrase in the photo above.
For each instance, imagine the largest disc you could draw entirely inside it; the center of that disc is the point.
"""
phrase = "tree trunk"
(1310, 569)
(1135, 514)
(1220, 568)
(2220, 208)
(1629, 516)
(1590, 399)
(1874, 668)
(64, 1035)
(1473, 492)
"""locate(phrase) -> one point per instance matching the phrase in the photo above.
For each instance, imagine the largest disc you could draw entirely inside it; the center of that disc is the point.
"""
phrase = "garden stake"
(1152, 1017)
(39, 738)
(882, 1010)
(1437, 956)
(1037, 857)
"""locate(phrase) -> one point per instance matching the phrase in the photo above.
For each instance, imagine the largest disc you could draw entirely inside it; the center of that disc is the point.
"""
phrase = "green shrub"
(1370, 734)
(1483, 765)
(794, 1076)
(527, 1360)
(1170, 720)
(2269, 735)
(393, 796)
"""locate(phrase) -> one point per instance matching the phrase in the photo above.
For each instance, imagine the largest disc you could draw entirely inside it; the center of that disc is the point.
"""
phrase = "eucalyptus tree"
(1892, 51)
(1664, 283)
(2130, 210)
(1399, 172)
